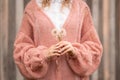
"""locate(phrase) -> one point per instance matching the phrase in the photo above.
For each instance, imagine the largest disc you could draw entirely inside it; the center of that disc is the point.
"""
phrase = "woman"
(57, 41)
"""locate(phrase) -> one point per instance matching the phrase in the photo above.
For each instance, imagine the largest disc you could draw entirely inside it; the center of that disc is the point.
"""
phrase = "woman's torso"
(42, 33)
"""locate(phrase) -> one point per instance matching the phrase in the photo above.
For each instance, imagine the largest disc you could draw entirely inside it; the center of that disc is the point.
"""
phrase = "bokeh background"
(106, 17)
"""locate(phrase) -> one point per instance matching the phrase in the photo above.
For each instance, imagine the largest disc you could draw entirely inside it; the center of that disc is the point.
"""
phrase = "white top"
(56, 16)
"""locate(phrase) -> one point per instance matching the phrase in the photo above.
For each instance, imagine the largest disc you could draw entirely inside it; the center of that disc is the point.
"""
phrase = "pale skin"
(61, 48)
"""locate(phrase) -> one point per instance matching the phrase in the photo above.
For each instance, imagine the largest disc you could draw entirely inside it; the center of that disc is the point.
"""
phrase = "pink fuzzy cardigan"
(34, 38)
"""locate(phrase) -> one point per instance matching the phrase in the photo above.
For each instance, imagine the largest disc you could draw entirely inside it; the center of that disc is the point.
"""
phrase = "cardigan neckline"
(49, 20)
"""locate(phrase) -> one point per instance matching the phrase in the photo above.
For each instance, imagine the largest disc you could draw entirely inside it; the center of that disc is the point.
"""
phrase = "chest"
(54, 12)
(44, 26)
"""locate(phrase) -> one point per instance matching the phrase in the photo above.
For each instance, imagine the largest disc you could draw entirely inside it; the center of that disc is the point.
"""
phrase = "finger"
(59, 52)
(64, 48)
(66, 51)
(61, 42)
(54, 51)
(61, 45)
(55, 48)
(56, 54)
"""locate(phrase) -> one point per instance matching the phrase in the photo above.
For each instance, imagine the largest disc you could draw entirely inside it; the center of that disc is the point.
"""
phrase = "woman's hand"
(53, 51)
(66, 47)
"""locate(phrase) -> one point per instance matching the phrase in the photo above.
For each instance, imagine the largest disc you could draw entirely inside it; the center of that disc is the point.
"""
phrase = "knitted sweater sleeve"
(88, 50)
(30, 59)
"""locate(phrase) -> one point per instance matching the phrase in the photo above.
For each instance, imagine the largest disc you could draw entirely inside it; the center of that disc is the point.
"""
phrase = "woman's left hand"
(66, 47)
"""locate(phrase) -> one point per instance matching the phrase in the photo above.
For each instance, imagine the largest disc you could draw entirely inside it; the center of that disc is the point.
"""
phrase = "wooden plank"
(19, 14)
(106, 39)
(4, 36)
(117, 39)
(100, 31)
(10, 72)
(112, 40)
(95, 12)
(0, 40)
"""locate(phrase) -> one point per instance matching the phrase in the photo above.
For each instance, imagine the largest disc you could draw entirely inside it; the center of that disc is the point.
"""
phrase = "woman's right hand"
(53, 51)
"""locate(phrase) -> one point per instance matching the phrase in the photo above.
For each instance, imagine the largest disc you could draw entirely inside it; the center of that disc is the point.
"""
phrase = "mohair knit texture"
(34, 38)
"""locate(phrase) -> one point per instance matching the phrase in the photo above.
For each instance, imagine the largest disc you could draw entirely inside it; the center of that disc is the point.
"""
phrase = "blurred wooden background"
(106, 16)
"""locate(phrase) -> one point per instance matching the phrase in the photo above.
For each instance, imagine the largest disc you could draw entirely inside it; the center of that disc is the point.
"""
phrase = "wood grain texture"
(10, 66)
(19, 14)
(3, 36)
(106, 38)
(95, 14)
(101, 35)
(8, 70)
(112, 52)
(0, 40)
(117, 39)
